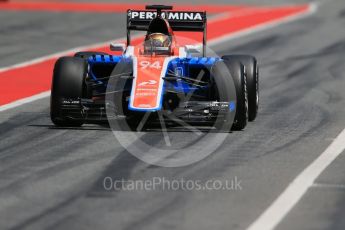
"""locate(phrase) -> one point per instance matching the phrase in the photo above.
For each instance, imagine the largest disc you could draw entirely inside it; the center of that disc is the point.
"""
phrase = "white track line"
(213, 42)
(65, 52)
(24, 101)
(312, 9)
(55, 55)
(276, 212)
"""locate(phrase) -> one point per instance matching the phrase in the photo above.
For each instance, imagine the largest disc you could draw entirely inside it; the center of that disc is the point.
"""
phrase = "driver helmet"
(158, 40)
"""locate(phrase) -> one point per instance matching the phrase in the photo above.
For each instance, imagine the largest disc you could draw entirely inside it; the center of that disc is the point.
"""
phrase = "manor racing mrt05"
(157, 80)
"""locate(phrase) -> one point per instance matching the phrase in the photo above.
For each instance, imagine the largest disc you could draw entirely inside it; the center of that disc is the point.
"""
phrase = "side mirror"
(193, 49)
(118, 47)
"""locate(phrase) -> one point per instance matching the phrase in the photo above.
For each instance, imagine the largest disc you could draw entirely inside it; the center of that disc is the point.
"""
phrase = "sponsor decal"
(70, 102)
(172, 16)
(150, 82)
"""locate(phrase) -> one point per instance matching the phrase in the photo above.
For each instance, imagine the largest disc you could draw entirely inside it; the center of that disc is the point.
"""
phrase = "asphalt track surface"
(53, 178)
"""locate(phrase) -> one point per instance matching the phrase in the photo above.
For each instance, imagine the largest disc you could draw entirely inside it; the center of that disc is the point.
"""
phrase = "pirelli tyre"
(237, 73)
(252, 77)
(67, 89)
(87, 54)
(229, 75)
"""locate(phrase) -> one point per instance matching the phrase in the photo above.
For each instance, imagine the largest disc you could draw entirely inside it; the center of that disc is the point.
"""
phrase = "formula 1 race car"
(157, 79)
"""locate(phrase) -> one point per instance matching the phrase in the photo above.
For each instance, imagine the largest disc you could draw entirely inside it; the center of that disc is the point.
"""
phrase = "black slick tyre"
(68, 85)
(236, 70)
(252, 77)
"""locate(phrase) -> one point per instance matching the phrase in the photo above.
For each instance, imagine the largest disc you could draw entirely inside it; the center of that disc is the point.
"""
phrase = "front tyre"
(68, 86)
(237, 72)
(252, 77)
(229, 75)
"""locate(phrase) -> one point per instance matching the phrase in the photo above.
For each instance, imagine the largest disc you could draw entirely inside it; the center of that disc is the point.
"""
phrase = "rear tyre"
(87, 54)
(68, 85)
(252, 77)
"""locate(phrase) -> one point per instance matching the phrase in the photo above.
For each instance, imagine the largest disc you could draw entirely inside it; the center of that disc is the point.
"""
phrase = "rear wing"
(178, 20)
